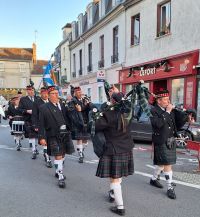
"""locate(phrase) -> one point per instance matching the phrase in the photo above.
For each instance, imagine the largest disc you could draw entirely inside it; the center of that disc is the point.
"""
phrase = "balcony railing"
(115, 58)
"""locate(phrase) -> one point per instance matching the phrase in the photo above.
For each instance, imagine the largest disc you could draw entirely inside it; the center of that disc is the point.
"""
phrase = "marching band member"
(117, 159)
(11, 113)
(25, 107)
(54, 132)
(81, 107)
(165, 122)
(35, 119)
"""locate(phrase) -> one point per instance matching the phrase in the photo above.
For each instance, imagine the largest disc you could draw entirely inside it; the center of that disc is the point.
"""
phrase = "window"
(81, 62)
(164, 19)
(114, 58)
(135, 30)
(89, 92)
(63, 53)
(101, 43)
(1, 82)
(177, 97)
(90, 57)
(100, 94)
(1, 67)
(74, 66)
(22, 67)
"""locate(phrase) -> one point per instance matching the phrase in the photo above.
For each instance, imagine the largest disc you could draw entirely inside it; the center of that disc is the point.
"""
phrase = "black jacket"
(35, 112)
(117, 141)
(50, 120)
(26, 104)
(165, 125)
(12, 111)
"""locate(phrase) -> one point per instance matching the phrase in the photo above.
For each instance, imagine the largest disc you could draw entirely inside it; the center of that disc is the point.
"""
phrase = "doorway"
(159, 84)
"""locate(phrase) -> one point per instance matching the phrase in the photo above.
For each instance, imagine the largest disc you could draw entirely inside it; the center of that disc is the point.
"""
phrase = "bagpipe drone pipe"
(125, 104)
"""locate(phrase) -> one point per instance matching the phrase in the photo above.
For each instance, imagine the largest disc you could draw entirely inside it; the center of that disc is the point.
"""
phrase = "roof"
(68, 25)
(16, 53)
(38, 67)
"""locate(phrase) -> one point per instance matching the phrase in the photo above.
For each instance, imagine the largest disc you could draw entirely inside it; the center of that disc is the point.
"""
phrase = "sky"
(22, 20)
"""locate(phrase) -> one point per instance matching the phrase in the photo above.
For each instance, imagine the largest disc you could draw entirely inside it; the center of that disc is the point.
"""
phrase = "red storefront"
(176, 73)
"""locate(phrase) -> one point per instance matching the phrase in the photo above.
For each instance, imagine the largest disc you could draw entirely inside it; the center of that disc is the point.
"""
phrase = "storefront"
(176, 73)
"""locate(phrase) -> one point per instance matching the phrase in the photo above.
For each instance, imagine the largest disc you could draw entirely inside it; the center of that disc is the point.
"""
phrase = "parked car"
(141, 130)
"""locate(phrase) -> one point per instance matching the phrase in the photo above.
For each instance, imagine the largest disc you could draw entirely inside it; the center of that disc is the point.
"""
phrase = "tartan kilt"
(29, 131)
(115, 166)
(80, 134)
(163, 155)
(55, 148)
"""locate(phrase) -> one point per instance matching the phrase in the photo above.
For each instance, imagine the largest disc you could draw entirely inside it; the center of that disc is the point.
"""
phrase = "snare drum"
(17, 125)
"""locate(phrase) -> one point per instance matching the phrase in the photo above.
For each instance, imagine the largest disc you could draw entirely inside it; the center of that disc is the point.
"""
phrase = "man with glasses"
(54, 132)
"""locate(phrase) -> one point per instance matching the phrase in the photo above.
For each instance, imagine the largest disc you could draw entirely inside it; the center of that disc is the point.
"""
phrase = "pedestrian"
(54, 132)
(35, 119)
(165, 120)
(117, 159)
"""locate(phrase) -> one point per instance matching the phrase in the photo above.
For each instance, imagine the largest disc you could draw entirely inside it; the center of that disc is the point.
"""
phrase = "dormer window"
(80, 24)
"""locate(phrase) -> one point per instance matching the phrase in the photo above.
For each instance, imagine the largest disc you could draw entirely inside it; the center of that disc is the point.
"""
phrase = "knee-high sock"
(118, 194)
(168, 177)
(79, 148)
(33, 142)
(157, 172)
(45, 153)
(59, 168)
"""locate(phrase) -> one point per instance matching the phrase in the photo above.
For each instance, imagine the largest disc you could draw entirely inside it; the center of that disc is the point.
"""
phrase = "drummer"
(11, 113)
(26, 106)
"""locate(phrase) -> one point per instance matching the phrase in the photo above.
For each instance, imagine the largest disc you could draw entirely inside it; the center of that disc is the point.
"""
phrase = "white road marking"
(176, 181)
(96, 161)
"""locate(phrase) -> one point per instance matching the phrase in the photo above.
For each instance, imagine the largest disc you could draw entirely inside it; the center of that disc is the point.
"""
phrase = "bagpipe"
(125, 104)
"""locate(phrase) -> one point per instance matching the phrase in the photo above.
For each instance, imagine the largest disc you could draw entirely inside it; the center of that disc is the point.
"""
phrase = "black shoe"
(80, 160)
(156, 183)
(110, 198)
(57, 176)
(61, 183)
(34, 156)
(171, 193)
(18, 148)
(37, 152)
(117, 211)
(49, 164)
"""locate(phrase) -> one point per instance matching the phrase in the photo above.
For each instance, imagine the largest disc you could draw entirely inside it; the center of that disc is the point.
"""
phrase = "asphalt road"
(29, 189)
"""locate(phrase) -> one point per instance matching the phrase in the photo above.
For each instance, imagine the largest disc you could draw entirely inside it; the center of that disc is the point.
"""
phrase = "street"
(29, 189)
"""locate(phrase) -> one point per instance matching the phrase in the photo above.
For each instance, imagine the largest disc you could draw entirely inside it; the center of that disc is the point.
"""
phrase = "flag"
(47, 75)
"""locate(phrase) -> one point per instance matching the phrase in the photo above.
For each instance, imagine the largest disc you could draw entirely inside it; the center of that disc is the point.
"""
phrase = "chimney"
(34, 53)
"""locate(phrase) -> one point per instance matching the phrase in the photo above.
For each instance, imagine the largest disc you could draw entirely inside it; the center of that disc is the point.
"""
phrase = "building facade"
(162, 48)
(96, 51)
(15, 69)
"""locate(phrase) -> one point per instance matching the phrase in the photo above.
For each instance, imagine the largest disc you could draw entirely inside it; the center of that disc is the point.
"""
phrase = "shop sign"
(150, 71)
(101, 76)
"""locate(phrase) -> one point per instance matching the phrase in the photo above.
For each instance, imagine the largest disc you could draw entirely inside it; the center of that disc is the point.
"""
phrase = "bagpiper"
(165, 122)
